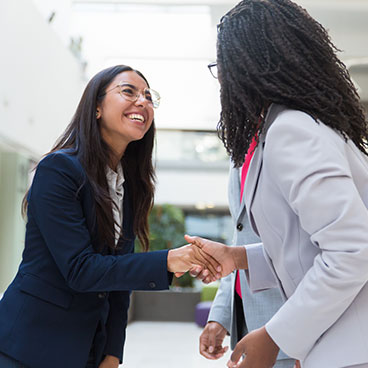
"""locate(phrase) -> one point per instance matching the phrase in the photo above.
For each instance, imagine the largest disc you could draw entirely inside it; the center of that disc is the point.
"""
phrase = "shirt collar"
(115, 180)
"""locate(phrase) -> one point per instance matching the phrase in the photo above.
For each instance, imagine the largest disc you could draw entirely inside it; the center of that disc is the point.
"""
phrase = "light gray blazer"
(258, 308)
(307, 195)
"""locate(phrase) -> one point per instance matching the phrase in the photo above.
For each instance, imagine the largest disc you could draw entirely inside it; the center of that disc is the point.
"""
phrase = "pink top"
(244, 172)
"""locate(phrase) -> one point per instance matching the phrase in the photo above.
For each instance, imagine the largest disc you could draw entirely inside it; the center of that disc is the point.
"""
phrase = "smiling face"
(121, 120)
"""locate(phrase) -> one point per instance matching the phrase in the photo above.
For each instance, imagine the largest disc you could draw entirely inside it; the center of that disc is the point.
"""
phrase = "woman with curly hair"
(284, 89)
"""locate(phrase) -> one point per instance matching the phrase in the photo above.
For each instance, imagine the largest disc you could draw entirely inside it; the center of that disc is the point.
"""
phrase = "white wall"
(171, 42)
(61, 21)
(346, 22)
(192, 188)
(171, 45)
(41, 81)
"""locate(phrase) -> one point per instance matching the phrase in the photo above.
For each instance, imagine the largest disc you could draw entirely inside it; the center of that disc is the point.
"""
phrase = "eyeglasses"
(131, 93)
(213, 69)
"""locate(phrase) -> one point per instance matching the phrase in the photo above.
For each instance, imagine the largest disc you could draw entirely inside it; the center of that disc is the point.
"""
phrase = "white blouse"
(115, 181)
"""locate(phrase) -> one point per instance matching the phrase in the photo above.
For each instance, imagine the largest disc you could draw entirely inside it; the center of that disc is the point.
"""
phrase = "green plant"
(167, 229)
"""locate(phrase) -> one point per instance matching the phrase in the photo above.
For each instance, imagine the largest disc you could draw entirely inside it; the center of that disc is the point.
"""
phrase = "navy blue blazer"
(64, 290)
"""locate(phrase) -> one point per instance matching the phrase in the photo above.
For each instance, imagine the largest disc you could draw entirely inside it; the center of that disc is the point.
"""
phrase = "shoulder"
(294, 128)
(295, 142)
(65, 162)
(287, 123)
(287, 120)
(61, 158)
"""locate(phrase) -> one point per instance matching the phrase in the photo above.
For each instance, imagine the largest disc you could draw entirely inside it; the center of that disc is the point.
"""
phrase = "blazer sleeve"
(309, 166)
(221, 307)
(116, 323)
(55, 205)
(259, 275)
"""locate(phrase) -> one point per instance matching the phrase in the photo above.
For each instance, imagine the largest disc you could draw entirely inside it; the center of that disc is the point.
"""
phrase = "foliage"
(167, 229)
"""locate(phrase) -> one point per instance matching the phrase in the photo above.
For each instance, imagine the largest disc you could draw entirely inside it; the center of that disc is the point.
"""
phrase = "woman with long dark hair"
(89, 199)
(306, 191)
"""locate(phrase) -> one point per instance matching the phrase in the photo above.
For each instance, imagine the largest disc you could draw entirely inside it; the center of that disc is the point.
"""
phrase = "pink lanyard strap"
(244, 172)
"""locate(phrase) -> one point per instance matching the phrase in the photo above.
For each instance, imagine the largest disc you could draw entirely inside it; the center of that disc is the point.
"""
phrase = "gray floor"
(166, 344)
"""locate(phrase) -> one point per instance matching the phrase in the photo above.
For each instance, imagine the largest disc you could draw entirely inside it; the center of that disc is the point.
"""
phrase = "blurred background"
(51, 48)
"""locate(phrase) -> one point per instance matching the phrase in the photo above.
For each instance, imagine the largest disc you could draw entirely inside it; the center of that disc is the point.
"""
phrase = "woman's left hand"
(109, 362)
(259, 350)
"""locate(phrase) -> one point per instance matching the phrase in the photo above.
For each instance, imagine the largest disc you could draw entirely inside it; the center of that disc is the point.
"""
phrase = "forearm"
(240, 257)
(119, 273)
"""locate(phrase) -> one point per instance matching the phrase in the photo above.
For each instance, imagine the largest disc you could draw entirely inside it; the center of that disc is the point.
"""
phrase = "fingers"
(203, 350)
(203, 276)
(208, 280)
(217, 354)
(210, 341)
(231, 364)
(235, 356)
(196, 272)
(213, 266)
(199, 242)
(192, 257)
(208, 263)
(196, 259)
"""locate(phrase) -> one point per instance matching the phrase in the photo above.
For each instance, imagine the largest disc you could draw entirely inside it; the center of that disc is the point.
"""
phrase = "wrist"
(269, 339)
(112, 359)
(171, 256)
(217, 324)
(240, 258)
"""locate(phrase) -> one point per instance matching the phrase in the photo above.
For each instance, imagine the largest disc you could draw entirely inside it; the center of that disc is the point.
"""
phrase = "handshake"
(205, 259)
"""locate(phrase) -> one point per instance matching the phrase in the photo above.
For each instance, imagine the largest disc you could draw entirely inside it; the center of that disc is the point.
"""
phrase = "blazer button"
(101, 295)
(239, 226)
(152, 285)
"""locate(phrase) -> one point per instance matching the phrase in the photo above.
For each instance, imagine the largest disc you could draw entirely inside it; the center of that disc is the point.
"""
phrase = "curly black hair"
(273, 51)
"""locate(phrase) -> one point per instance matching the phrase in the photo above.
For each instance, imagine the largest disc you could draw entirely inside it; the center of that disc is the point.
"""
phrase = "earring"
(97, 114)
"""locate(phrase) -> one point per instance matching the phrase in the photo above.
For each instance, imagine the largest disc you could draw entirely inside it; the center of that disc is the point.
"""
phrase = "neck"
(115, 159)
(117, 148)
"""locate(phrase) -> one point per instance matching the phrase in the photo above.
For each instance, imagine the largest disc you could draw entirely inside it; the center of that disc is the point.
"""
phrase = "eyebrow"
(131, 85)
(127, 84)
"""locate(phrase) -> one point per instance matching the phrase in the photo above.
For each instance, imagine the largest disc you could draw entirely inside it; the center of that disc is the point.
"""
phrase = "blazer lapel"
(234, 192)
(251, 183)
(256, 164)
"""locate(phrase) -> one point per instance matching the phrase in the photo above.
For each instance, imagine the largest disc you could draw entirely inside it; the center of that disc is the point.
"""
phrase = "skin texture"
(230, 258)
(117, 129)
(250, 345)
(211, 339)
(182, 259)
(109, 362)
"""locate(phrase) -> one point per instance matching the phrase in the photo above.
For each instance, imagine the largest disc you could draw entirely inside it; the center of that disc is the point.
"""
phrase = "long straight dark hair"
(83, 138)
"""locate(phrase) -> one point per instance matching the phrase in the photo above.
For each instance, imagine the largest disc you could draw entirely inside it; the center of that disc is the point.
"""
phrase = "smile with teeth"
(136, 117)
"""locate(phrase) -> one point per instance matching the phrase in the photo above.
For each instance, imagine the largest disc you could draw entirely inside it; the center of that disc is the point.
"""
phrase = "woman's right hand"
(189, 257)
(230, 258)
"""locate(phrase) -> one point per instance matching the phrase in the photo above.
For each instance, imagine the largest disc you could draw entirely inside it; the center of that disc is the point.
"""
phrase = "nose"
(141, 100)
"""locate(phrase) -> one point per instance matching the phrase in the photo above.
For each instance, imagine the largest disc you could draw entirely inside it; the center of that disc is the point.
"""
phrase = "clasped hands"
(208, 261)
(205, 259)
